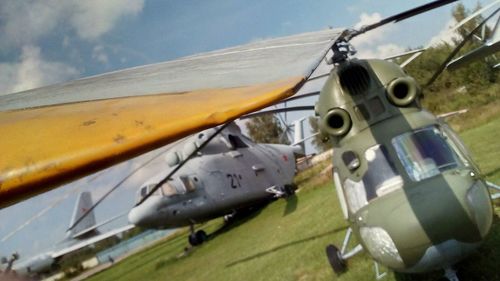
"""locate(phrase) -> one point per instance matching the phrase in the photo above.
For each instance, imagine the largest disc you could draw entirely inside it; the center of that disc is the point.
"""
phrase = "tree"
(474, 86)
(266, 129)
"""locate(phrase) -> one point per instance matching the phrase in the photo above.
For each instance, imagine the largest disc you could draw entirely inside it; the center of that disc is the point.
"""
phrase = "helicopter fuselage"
(405, 181)
(224, 178)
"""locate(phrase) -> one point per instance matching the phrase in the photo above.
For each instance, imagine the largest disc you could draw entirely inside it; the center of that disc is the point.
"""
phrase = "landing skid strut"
(338, 258)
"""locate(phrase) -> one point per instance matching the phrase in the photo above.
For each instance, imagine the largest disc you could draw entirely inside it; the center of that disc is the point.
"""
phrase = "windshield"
(381, 176)
(145, 190)
(185, 184)
(424, 153)
(379, 179)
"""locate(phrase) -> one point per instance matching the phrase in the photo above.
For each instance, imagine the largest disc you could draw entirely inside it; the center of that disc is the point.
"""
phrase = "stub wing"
(58, 133)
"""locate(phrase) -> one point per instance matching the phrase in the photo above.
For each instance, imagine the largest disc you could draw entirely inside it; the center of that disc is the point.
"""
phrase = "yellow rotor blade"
(47, 146)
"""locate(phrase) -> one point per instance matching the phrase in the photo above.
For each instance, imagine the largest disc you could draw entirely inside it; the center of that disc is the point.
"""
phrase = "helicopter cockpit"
(425, 153)
(380, 178)
(178, 186)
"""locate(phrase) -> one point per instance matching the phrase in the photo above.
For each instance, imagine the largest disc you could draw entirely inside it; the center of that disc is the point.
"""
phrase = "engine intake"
(402, 91)
(337, 122)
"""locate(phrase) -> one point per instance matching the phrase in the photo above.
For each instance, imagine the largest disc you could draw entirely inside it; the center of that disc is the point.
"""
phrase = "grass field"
(286, 239)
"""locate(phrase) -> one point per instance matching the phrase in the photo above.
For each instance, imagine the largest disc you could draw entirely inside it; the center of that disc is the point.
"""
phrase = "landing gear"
(229, 217)
(335, 258)
(198, 237)
(282, 191)
(338, 258)
(289, 190)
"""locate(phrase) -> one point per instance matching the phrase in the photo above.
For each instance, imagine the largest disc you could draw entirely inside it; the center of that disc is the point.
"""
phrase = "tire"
(201, 236)
(289, 190)
(193, 239)
(336, 262)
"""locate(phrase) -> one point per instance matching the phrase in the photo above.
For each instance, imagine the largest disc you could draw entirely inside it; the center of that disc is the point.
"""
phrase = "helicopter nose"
(448, 225)
(143, 215)
(137, 216)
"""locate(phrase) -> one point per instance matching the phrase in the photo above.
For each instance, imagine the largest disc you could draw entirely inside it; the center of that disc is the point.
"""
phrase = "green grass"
(484, 143)
(286, 239)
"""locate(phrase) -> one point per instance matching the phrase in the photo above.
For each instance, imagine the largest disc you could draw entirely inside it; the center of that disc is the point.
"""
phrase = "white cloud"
(366, 19)
(99, 54)
(445, 35)
(373, 36)
(66, 43)
(25, 22)
(381, 51)
(373, 44)
(92, 18)
(32, 71)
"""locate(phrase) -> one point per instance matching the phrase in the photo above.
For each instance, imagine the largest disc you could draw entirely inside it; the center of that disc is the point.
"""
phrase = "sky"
(52, 41)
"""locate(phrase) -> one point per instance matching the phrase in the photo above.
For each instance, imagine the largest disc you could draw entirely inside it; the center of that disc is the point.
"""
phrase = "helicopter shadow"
(291, 205)
(284, 246)
(240, 218)
(490, 173)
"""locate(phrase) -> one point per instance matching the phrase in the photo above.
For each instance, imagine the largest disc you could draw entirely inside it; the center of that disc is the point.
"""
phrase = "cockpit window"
(379, 179)
(188, 183)
(236, 142)
(145, 190)
(183, 185)
(168, 189)
(425, 153)
(381, 176)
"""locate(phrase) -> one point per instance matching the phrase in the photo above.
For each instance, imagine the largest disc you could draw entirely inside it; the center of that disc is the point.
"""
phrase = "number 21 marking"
(235, 180)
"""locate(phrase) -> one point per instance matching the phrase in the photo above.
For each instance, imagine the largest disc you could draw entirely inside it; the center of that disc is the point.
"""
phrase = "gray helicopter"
(230, 173)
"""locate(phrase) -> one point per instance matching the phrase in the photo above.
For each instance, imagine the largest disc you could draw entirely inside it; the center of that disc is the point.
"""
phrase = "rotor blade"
(453, 113)
(412, 52)
(450, 30)
(284, 135)
(475, 14)
(280, 118)
(304, 139)
(442, 67)
(87, 230)
(51, 205)
(164, 180)
(272, 111)
(410, 59)
(36, 216)
(300, 97)
(318, 76)
(115, 187)
(286, 127)
(402, 16)
(110, 118)
(476, 54)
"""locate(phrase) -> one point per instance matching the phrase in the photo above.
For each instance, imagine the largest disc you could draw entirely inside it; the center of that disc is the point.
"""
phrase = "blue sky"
(46, 42)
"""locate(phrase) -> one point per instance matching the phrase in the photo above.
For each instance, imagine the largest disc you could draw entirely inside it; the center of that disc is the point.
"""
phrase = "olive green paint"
(422, 217)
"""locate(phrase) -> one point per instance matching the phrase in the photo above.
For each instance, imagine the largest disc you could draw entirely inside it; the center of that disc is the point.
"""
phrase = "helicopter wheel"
(289, 190)
(336, 261)
(201, 236)
(192, 239)
(197, 238)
